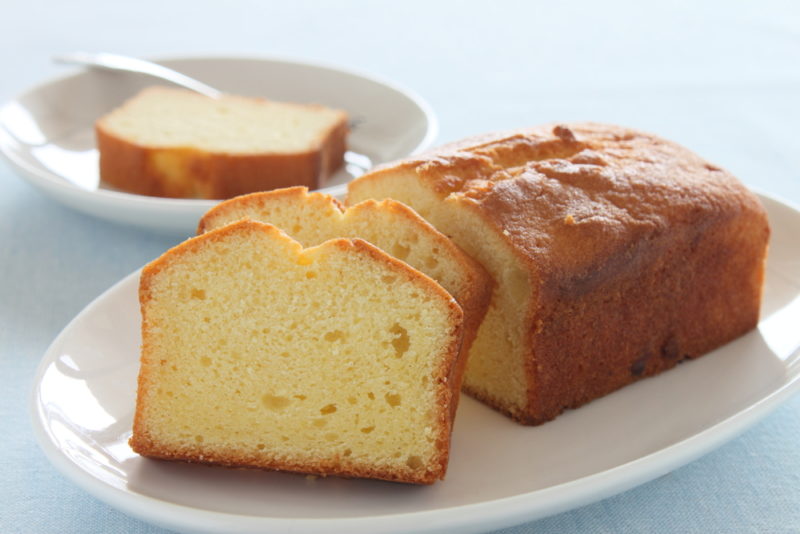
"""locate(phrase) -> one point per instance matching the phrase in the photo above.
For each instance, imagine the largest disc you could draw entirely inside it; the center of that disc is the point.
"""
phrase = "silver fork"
(129, 64)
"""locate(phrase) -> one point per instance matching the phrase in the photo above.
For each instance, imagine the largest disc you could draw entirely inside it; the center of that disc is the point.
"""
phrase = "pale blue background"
(721, 77)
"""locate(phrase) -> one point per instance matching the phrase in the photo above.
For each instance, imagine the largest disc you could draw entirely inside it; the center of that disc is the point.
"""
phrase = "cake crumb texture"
(312, 218)
(331, 360)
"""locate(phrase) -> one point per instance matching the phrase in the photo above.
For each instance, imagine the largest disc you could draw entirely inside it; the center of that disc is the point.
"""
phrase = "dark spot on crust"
(670, 350)
(638, 366)
(564, 133)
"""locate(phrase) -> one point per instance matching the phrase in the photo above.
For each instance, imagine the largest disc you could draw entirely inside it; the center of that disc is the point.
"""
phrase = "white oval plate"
(47, 133)
(500, 473)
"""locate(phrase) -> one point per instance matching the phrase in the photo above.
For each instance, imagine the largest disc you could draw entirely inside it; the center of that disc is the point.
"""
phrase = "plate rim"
(475, 517)
(45, 179)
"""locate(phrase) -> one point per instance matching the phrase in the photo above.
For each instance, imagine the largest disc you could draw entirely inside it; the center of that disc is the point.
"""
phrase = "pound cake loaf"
(616, 255)
(331, 360)
(175, 143)
(312, 218)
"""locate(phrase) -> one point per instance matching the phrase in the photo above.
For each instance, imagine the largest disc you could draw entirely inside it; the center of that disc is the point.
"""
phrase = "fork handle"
(130, 64)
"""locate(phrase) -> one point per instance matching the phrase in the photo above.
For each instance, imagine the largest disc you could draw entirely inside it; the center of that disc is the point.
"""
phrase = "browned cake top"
(575, 198)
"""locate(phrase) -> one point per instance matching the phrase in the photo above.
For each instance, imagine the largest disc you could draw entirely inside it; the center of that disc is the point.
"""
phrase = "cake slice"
(175, 143)
(312, 218)
(332, 360)
(616, 254)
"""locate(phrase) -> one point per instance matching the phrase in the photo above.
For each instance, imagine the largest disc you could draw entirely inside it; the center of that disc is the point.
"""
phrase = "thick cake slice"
(391, 226)
(616, 255)
(333, 360)
(176, 143)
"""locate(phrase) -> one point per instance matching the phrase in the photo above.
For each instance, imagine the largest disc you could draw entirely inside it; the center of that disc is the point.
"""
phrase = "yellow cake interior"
(495, 368)
(314, 218)
(258, 352)
(165, 117)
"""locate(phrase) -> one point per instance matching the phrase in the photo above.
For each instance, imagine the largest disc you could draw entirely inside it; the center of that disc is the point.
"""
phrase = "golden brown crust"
(222, 211)
(446, 392)
(335, 466)
(641, 253)
(184, 172)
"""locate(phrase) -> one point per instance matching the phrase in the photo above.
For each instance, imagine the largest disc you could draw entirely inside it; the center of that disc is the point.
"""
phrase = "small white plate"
(47, 134)
(500, 473)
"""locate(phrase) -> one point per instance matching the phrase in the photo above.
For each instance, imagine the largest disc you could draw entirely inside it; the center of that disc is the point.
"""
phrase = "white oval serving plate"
(47, 133)
(500, 473)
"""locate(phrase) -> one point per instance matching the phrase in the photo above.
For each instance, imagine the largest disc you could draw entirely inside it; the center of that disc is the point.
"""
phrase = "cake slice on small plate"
(175, 143)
